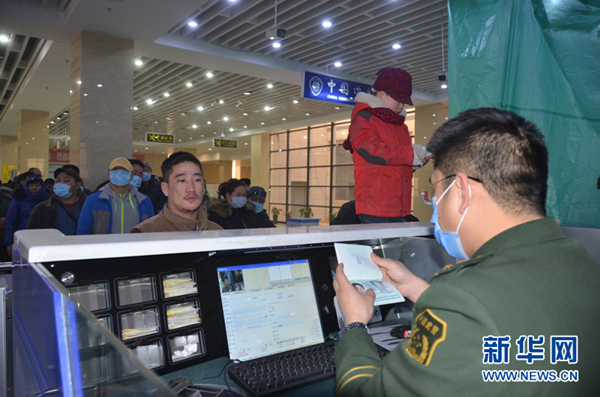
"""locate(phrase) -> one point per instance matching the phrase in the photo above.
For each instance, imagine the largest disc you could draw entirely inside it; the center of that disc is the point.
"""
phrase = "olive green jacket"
(529, 280)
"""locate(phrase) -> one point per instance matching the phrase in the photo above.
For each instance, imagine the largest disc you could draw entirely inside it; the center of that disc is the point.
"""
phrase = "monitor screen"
(269, 308)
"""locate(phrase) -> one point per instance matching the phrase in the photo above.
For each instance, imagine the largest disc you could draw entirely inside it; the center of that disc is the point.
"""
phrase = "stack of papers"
(175, 286)
(182, 315)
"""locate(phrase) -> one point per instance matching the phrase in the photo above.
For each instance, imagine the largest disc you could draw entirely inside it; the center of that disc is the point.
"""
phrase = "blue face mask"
(62, 190)
(146, 177)
(136, 181)
(259, 207)
(449, 240)
(120, 177)
(238, 202)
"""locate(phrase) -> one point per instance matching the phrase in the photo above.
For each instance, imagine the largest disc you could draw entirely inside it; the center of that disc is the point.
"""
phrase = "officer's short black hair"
(505, 151)
(177, 158)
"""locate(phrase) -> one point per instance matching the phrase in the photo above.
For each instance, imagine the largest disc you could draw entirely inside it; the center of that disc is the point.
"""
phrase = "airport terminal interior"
(262, 90)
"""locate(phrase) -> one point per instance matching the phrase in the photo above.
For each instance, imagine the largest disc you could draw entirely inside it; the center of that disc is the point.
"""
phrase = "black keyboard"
(282, 372)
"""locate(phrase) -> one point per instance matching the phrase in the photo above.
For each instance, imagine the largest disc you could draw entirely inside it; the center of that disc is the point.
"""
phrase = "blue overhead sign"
(322, 87)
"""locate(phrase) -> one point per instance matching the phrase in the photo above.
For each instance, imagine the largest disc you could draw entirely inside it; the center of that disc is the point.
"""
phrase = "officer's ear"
(464, 191)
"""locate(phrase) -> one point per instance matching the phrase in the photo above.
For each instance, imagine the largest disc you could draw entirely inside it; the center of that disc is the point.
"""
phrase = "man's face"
(226, 282)
(36, 172)
(185, 188)
(34, 187)
(67, 179)
(137, 170)
(390, 102)
(257, 199)
(148, 170)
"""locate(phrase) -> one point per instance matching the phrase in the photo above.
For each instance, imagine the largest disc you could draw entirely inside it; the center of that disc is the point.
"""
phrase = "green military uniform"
(529, 280)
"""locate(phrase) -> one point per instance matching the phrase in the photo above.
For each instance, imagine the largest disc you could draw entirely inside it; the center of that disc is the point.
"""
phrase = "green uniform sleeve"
(442, 357)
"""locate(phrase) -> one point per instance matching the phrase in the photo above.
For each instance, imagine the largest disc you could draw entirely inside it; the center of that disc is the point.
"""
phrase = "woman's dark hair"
(233, 184)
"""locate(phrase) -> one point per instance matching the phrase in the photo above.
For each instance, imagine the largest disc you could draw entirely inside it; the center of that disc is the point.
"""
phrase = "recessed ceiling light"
(200, 108)
(295, 101)
(65, 112)
(221, 101)
(444, 86)
(269, 85)
(4, 38)
(99, 85)
(209, 148)
(188, 84)
(337, 64)
(149, 101)
(308, 114)
(136, 150)
(156, 122)
(267, 108)
(190, 137)
(231, 129)
(262, 123)
(84, 94)
(201, 136)
(326, 24)
(284, 118)
(215, 132)
(166, 94)
(184, 114)
(209, 75)
(225, 118)
(246, 143)
(70, 91)
(337, 108)
(194, 126)
(396, 46)
(208, 122)
(276, 44)
(179, 140)
(245, 126)
(244, 114)
(79, 82)
(58, 118)
(192, 24)
(247, 93)
(139, 62)
(52, 122)
(146, 148)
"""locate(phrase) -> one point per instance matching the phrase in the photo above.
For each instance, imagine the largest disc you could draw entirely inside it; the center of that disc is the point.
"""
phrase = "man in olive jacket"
(519, 317)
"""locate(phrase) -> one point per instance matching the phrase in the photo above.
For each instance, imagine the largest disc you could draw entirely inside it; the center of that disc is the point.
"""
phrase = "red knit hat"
(396, 82)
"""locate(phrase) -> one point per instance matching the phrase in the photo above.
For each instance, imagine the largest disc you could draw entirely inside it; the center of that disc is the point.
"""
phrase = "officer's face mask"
(449, 240)
(259, 206)
(120, 177)
(238, 202)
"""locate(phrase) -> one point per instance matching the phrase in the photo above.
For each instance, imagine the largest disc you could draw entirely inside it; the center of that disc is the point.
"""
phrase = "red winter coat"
(383, 159)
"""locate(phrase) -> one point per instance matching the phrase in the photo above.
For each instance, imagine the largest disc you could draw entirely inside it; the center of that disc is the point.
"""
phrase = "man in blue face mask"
(524, 290)
(117, 206)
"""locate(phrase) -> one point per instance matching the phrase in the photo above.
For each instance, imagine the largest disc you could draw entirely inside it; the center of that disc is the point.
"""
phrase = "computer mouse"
(401, 331)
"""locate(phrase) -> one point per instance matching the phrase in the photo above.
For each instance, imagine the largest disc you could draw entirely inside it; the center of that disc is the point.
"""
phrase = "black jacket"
(153, 190)
(237, 218)
(43, 215)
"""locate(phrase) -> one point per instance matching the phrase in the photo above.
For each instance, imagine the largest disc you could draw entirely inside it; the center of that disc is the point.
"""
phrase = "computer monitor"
(269, 308)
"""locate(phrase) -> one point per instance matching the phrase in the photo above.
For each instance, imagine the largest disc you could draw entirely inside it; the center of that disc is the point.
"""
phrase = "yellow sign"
(6, 169)
(159, 138)
(228, 143)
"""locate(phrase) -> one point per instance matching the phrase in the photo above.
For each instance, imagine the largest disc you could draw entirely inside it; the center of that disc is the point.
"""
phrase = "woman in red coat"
(381, 149)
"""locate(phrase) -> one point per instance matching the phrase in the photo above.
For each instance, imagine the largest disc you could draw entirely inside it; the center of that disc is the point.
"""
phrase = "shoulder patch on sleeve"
(429, 331)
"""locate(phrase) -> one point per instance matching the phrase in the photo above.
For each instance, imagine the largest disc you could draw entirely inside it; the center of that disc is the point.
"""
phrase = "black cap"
(68, 171)
(257, 192)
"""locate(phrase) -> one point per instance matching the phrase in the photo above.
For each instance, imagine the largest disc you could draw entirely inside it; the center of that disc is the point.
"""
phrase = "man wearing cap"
(117, 206)
(381, 149)
(151, 188)
(62, 210)
(183, 184)
(256, 196)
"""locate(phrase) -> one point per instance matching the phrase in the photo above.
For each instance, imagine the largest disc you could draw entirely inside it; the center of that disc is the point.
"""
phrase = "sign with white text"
(322, 87)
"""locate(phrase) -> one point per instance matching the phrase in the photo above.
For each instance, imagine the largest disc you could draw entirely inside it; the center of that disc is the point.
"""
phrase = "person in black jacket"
(61, 211)
(235, 212)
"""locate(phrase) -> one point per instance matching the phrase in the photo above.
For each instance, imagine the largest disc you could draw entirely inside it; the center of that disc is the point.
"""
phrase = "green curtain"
(540, 59)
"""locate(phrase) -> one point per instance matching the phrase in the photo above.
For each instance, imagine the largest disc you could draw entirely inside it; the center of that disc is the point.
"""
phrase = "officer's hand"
(409, 285)
(355, 306)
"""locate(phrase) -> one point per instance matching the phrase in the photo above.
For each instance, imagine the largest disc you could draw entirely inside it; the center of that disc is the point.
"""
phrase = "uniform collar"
(526, 234)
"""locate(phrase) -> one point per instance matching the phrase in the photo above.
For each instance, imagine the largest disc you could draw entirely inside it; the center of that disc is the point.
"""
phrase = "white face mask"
(238, 202)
